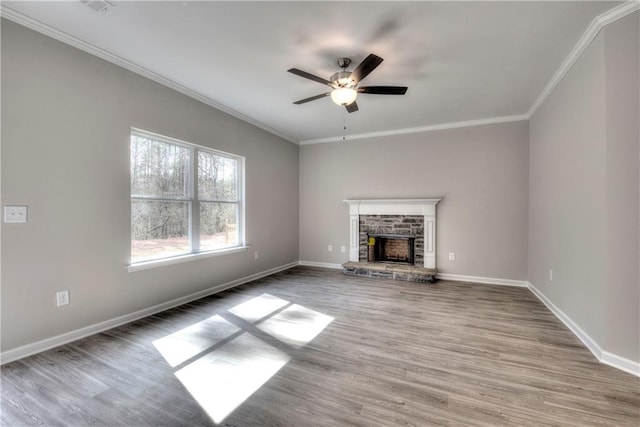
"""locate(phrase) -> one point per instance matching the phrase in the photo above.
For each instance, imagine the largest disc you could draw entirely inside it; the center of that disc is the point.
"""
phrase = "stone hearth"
(389, 271)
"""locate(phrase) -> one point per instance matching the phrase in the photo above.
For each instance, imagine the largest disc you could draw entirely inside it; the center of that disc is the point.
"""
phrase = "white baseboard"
(49, 343)
(621, 363)
(485, 280)
(320, 264)
(603, 356)
(569, 323)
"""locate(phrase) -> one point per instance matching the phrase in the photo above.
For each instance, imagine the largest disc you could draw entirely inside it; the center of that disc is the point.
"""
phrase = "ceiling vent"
(98, 5)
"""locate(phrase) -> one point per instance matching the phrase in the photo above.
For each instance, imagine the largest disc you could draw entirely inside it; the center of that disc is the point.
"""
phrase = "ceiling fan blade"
(312, 98)
(365, 67)
(383, 90)
(309, 76)
(352, 108)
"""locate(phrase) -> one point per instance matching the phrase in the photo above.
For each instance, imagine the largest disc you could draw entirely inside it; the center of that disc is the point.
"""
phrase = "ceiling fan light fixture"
(344, 95)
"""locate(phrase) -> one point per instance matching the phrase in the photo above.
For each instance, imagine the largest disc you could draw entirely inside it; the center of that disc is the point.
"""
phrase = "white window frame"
(194, 206)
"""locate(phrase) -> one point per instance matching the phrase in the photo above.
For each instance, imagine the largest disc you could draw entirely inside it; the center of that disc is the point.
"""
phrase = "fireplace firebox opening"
(391, 248)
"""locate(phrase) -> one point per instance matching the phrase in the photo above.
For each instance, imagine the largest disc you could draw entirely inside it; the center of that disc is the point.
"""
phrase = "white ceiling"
(462, 61)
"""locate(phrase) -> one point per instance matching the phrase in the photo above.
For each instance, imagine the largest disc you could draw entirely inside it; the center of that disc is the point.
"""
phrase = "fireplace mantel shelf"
(392, 201)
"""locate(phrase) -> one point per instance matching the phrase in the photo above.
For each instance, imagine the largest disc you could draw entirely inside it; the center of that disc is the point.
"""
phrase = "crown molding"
(419, 129)
(35, 25)
(591, 32)
(588, 36)
(618, 12)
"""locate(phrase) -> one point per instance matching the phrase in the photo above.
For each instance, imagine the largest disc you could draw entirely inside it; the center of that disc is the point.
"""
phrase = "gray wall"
(623, 182)
(65, 153)
(481, 171)
(584, 192)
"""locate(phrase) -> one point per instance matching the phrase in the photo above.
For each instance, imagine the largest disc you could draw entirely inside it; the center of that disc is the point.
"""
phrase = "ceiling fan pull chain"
(344, 126)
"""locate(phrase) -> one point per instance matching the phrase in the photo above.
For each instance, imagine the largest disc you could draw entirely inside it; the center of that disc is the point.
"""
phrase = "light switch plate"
(15, 214)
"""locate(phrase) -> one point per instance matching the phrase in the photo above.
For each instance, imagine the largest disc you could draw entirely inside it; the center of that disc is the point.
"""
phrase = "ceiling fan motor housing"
(342, 79)
(344, 63)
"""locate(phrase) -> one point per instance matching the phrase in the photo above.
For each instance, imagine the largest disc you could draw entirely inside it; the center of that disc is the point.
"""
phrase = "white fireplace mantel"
(424, 207)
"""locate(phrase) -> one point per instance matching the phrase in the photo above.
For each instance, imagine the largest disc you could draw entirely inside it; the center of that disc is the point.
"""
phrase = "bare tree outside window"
(165, 197)
(218, 195)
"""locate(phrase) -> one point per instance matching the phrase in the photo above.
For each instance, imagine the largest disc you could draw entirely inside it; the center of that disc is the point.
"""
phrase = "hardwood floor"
(312, 347)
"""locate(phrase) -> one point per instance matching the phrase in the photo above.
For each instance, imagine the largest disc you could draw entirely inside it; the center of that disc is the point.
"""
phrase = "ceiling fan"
(345, 83)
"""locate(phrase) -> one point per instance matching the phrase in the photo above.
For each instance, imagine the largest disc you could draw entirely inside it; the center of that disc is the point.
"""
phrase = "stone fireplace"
(392, 232)
(394, 216)
(392, 237)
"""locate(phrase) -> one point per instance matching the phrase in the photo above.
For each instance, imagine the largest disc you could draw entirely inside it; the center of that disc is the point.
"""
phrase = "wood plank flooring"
(312, 347)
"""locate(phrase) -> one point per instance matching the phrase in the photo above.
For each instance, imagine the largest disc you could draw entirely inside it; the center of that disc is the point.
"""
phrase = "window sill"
(146, 265)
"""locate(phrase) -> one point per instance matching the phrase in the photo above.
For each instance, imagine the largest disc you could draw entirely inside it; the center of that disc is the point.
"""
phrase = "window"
(185, 199)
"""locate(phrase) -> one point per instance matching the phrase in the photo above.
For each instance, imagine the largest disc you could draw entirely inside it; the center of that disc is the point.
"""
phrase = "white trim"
(146, 265)
(419, 129)
(423, 207)
(482, 280)
(592, 31)
(63, 37)
(49, 343)
(621, 363)
(618, 12)
(594, 28)
(320, 264)
(569, 323)
(603, 356)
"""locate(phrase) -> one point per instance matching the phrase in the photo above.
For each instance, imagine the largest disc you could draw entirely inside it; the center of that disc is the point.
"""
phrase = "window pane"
(159, 229)
(159, 169)
(218, 225)
(217, 177)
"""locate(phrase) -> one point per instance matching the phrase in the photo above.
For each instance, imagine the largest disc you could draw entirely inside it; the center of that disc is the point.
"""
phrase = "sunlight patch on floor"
(226, 377)
(180, 346)
(296, 325)
(220, 375)
(258, 307)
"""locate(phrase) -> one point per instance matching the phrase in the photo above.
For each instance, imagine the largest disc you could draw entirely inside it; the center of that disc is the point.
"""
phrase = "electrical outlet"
(343, 249)
(256, 255)
(62, 297)
(452, 256)
(15, 214)
(330, 248)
